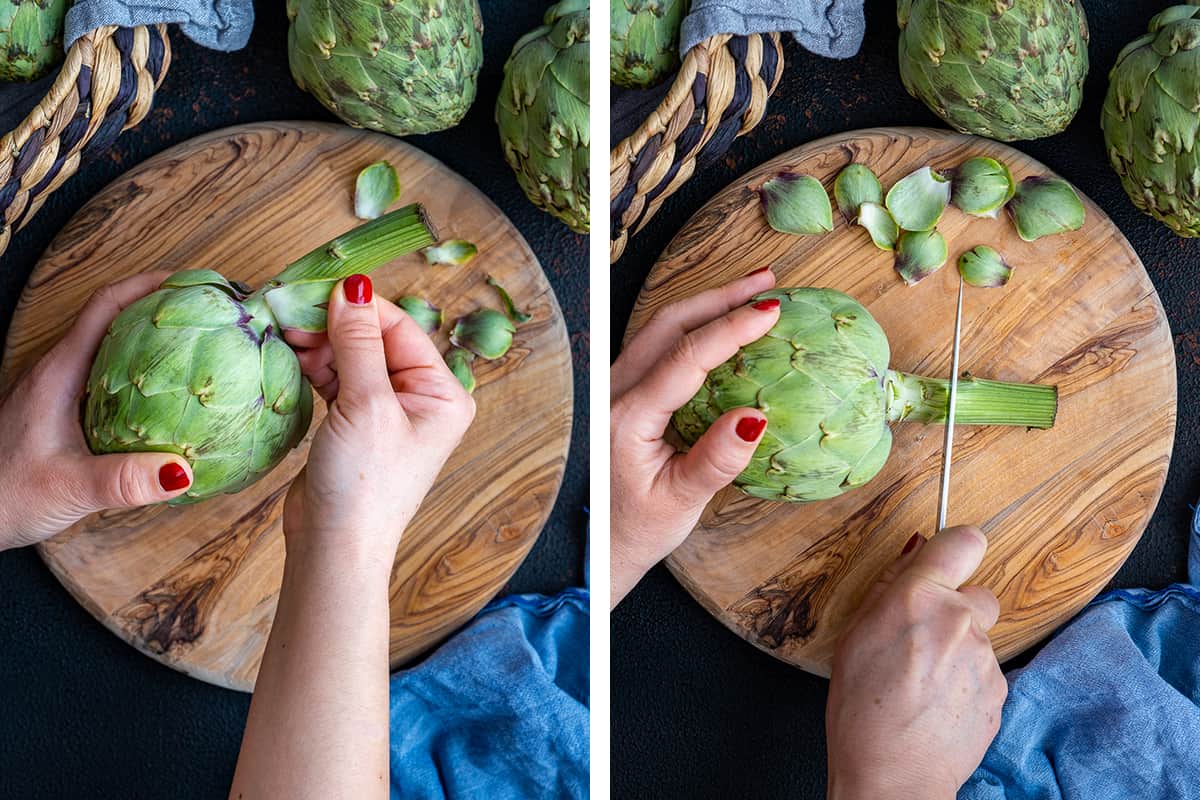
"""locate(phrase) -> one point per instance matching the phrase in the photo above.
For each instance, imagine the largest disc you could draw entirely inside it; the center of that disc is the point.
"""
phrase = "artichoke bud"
(427, 317)
(919, 254)
(31, 38)
(856, 184)
(981, 187)
(917, 200)
(1045, 206)
(644, 40)
(459, 361)
(983, 267)
(796, 204)
(485, 332)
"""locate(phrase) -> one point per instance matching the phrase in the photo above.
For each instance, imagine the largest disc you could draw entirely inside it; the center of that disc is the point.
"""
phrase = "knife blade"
(948, 442)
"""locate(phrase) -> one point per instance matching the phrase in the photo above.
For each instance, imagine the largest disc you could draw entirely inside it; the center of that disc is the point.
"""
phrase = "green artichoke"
(397, 66)
(31, 38)
(1005, 69)
(1150, 119)
(542, 113)
(200, 368)
(644, 41)
(821, 377)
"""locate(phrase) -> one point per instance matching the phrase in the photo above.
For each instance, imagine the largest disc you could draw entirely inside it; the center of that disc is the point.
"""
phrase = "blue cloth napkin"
(500, 711)
(1110, 708)
(217, 24)
(832, 28)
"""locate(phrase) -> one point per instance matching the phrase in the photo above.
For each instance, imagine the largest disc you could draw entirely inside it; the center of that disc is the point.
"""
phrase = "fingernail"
(912, 542)
(750, 428)
(759, 271)
(358, 289)
(770, 304)
(173, 477)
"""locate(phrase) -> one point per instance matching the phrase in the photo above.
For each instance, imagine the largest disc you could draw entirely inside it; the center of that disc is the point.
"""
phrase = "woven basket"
(105, 86)
(719, 94)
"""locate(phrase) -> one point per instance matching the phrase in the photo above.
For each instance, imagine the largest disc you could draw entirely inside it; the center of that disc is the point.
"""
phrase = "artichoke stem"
(912, 398)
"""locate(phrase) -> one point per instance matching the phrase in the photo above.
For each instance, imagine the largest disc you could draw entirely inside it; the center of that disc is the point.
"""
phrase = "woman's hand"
(657, 493)
(396, 412)
(49, 480)
(916, 692)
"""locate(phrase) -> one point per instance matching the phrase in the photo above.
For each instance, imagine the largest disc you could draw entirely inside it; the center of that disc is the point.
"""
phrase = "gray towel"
(218, 24)
(832, 28)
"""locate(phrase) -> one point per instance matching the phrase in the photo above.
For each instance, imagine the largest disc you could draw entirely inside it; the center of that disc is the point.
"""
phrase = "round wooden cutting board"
(195, 587)
(1062, 508)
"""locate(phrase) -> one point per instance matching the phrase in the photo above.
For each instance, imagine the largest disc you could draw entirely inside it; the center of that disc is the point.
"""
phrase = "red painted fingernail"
(759, 271)
(358, 289)
(171, 477)
(750, 428)
(770, 304)
(911, 543)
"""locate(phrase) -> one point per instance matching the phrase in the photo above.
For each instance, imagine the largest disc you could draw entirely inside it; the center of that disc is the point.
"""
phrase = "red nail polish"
(911, 543)
(358, 289)
(770, 304)
(759, 271)
(750, 428)
(171, 477)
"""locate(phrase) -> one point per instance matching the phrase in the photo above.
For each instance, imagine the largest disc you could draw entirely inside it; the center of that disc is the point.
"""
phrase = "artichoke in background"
(1150, 119)
(542, 113)
(31, 38)
(397, 66)
(1005, 69)
(821, 377)
(200, 368)
(644, 40)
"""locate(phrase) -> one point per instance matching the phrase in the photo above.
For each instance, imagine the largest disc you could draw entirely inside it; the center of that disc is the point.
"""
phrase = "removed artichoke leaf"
(856, 184)
(428, 317)
(822, 377)
(983, 267)
(510, 308)
(1044, 206)
(981, 186)
(459, 361)
(453, 252)
(485, 332)
(918, 199)
(377, 187)
(879, 223)
(796, 204)
(919, 254)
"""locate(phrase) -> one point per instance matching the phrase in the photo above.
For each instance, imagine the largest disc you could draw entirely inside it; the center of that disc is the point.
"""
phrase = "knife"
(948, 442)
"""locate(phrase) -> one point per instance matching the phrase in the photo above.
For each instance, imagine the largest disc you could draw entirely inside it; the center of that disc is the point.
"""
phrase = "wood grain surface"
(195, 587)
(1062, 508)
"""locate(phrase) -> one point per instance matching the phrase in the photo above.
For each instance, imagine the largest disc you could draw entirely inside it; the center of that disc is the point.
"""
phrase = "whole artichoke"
(397, 66)
(644, 40)
(821, 377)
(1150, 119)
(200, 368)
(542, 113)
(31, 38)
(1005, 69)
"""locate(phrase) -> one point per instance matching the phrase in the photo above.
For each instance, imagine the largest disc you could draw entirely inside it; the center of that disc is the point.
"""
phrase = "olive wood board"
(1061, 508)
(195, 587)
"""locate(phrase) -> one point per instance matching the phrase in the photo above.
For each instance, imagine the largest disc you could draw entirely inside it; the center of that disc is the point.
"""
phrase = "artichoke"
(401, 66)
(1150, 119)
(31, 38)
(644, 41)
(821, 377)
(200, 368)
(1005, 69)
(542, 113)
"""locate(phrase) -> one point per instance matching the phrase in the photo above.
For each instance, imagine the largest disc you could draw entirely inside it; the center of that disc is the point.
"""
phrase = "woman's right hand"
(657, 493)
(916, 691)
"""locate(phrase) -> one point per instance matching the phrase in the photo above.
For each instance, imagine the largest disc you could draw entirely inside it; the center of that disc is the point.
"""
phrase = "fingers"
(951, 556)
(124, 480)
(717, 457)
(674, 379)
(356, 338)
(985, 608)
(904, 560)
(671, 322)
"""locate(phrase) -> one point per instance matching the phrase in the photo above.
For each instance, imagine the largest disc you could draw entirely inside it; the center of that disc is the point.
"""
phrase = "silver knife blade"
(948, 442)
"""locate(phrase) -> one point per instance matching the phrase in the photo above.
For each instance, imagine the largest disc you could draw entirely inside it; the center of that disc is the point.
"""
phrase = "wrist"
(851, 784)
(354, 552)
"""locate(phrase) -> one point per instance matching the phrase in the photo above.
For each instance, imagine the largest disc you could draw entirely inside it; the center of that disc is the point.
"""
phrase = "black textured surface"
(85, 715)
(698, 713)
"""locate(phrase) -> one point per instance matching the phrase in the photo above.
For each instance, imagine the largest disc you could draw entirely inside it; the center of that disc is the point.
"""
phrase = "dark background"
(697, 712)
(82, 714)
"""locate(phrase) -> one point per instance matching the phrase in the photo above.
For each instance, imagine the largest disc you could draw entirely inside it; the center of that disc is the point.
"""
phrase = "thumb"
(951, 556)
(356, 339)
(718, 456)
(128, 480)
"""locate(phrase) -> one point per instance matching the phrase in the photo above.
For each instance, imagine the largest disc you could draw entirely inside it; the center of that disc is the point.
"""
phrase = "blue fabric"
(1110, 708)
(832, 28)
(499, 711)
(216, 24)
